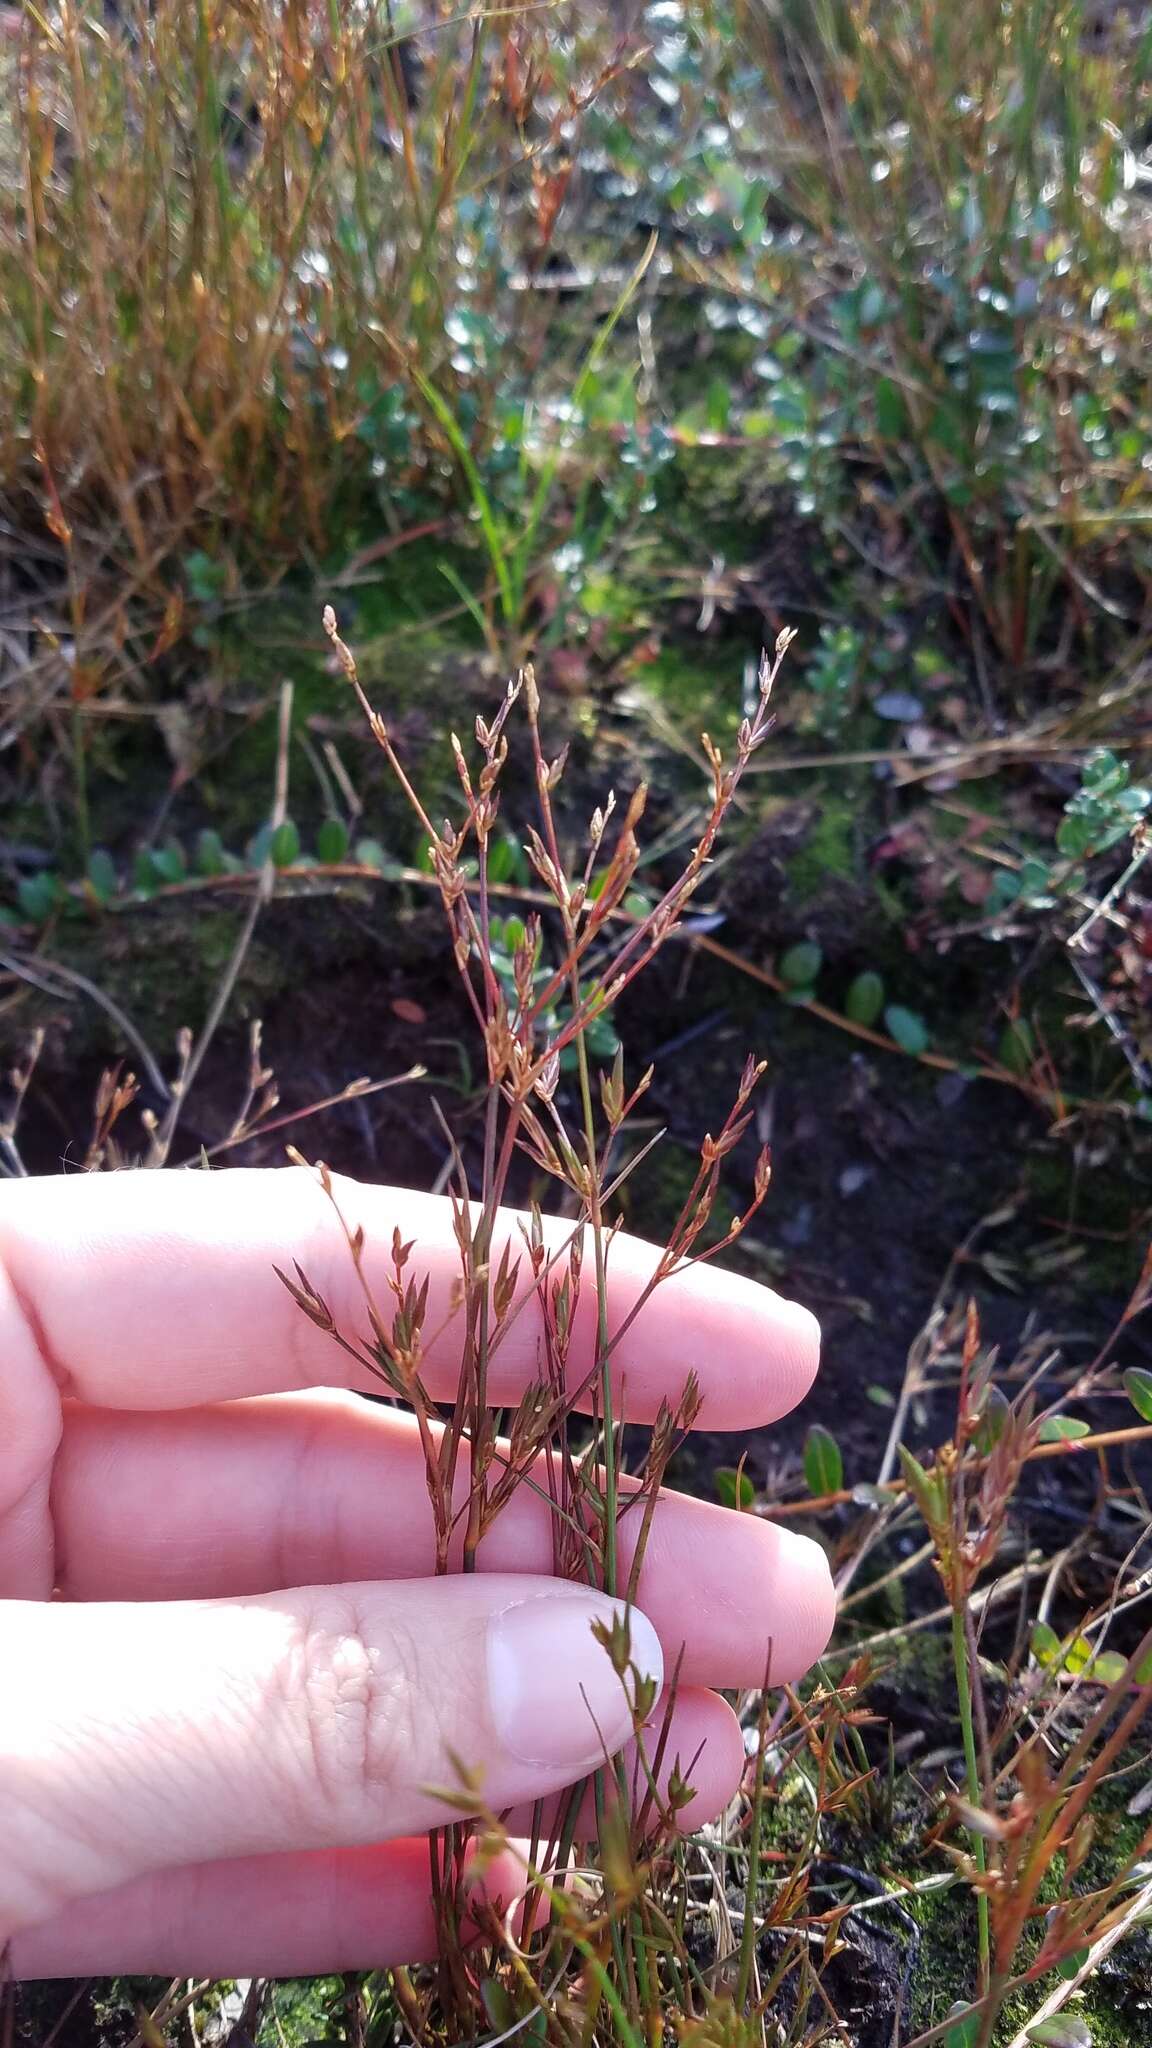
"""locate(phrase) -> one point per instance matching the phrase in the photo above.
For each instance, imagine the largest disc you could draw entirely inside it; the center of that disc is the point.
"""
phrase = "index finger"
(158, 1290)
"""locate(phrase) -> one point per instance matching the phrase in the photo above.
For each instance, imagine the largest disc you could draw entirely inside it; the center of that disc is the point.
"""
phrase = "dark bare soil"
(881, 1169)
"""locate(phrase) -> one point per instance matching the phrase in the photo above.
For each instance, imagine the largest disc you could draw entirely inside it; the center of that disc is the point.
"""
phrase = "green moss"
(1099, 1195)
(414, 674)
(653, 1197)
(698, 695)
(829, 852)
(162, 965)
(304, 2010)
(947, 1922)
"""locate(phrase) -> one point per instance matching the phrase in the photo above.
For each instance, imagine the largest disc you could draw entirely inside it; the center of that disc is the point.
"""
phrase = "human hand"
(215, 1741)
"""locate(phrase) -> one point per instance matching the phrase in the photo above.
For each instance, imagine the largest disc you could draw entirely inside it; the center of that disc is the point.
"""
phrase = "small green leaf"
(38, 895)
(206, 579)
(370, 854)
(733, 1489)
(1034, 879)
(1046, 1645)
(823, 1463)
(1138, 1387)
(102, 878)
(169, 862)
(1075, 835)
(1064, 2030)
(1017, 1047)
(963, 2029)
(1056, 1429)
(502, 854)
(284, 845)
(800, 965)
(144, 876)
(1103, 773)
(259, 847)
(867, 1496)
(211, 858)
(928, 1489)
(865, 999)
(601, 1038)
(908, 1029)
(332, 841)
(1109, 1667)
(498, 2005)
(994, 1415)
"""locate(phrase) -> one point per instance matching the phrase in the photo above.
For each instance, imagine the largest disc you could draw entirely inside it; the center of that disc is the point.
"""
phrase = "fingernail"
(555, 1699)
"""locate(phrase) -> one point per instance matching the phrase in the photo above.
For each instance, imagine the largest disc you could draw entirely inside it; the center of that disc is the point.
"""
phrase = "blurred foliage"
(950, 255)
(624, 324)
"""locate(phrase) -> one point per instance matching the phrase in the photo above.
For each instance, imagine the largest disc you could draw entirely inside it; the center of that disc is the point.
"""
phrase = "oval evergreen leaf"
(1046, 1644)
(144, 874)
(964, 2026)
(823, 1463)
(1057, 1429)
(908, 1029)
(1109, 1667)
(865, 999)
(1138, 1387)
(800, 965)
(371, 854)
(502, 853)
(733, 1489)
(1064, 2030)
(169, 862)
(37, 896)
(211, 858)
(102, 879)
(284, 845)
(332, 841)
(994, 1415)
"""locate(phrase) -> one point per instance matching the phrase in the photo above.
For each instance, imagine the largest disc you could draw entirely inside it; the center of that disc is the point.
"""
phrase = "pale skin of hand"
(230, 1676)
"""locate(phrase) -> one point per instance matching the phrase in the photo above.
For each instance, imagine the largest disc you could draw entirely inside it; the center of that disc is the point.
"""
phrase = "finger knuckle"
(355, 1687)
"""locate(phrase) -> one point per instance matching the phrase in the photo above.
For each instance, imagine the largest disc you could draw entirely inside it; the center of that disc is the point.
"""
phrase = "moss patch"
(830, 850)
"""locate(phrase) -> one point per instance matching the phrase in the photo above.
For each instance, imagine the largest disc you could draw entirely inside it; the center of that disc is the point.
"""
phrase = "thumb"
(138, 1736)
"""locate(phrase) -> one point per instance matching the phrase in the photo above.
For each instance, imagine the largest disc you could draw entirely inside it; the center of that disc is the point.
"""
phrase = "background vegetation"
(619, 338)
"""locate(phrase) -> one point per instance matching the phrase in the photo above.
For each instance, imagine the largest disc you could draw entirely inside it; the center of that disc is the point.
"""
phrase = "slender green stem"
(975, 1789)
(628, 2035)
(749, 1930)
(602, 1336)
